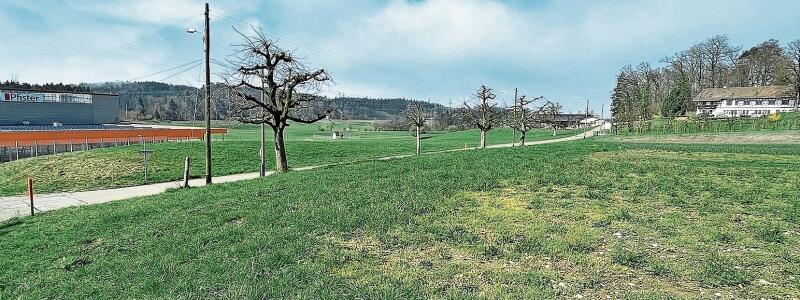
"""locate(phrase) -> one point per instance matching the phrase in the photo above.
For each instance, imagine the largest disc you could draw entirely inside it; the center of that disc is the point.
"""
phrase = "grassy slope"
(122, 166)
(632, 221)
(660, 126)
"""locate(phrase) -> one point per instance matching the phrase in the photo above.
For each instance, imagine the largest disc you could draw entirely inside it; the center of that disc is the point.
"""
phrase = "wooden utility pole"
(587, 108)
(207, 41)
(514, 132)
(602, 110)
(262, 150)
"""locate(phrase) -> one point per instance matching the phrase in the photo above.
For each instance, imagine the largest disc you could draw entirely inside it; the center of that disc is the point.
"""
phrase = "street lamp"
(206, 50)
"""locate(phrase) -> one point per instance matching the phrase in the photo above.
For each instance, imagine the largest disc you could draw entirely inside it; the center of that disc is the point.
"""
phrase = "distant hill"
(148, 100)
(156, 95)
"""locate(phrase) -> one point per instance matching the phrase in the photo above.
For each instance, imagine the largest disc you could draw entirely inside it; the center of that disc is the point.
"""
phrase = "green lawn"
(589, 218)
(306, 146)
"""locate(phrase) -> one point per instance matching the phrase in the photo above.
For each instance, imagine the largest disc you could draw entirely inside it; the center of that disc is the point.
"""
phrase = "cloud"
(442, 49)
(144, 11)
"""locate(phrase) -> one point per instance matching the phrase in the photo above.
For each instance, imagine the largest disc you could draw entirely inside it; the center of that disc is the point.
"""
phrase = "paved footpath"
(18, 205)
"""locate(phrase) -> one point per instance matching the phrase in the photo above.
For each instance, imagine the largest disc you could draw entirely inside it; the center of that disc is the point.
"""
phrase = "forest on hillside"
(162, 101)
(644, 91)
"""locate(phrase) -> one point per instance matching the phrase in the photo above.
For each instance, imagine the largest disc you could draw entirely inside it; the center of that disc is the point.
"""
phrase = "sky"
(439, 51)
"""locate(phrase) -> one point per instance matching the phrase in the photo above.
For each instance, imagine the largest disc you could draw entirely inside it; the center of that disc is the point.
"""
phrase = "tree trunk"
(418, 145)
(483, 139)
(797, 101)
(281, 166)
(522, 138)
(261, 153)
(554, 131)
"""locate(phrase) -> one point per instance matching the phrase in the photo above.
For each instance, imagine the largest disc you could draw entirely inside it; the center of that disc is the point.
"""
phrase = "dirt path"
(14, 206)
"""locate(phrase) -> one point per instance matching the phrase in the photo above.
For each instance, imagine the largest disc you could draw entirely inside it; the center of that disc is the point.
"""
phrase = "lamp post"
(207, 51)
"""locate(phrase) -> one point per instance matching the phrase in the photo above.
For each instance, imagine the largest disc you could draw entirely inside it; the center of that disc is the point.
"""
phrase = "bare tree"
(718, 56)
(520, 116)
(550, 112)
(793, 53)
(287, 85)
(481, 112)
(765, 64)
(417, 116)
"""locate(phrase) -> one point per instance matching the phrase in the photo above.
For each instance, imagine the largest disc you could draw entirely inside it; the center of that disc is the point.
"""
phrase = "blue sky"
(567, 51)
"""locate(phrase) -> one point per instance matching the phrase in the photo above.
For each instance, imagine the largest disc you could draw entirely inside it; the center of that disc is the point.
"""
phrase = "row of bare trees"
(644, 91)
(270, 86)
(483, 113)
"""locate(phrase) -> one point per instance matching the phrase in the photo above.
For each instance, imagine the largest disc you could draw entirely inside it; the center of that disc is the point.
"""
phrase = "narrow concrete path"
(14, 206)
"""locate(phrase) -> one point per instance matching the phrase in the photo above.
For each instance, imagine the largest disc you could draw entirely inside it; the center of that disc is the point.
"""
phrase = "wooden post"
(16, 148)
(186, 172)
(30, 192)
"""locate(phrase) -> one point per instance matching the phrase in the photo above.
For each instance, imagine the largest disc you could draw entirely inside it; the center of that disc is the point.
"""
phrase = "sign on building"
(25, 96)
(22, 96)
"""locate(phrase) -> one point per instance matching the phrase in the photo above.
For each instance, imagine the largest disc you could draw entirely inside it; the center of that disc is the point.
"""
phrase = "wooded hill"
(157, 100)
(645, 91)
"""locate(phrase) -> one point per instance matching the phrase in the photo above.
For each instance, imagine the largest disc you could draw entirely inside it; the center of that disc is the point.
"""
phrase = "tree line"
(645, 91)
(51, 86)
(269, 86)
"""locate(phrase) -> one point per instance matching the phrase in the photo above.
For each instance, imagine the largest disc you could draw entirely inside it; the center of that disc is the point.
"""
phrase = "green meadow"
(307, 145)
(588, 219)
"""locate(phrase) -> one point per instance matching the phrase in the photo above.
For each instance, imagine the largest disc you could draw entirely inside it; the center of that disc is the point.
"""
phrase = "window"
(771, 102)
(729, 102)
(760, 102)
(784, 102)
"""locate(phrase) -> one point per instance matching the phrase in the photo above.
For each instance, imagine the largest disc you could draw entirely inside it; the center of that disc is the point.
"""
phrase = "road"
(14, 206)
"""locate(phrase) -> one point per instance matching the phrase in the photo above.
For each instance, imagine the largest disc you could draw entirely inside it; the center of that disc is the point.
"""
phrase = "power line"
(341, 56)
(122, 48)
(182, 71)
(165, 70)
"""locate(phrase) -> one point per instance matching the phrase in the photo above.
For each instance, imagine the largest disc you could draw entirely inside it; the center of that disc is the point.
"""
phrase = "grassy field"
(747, 137)
(588, 218)
(790, 121)
(306, 146)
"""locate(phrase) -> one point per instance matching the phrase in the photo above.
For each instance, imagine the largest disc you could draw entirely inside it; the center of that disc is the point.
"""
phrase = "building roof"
(54, 92)
(755, 92)
(4, 128)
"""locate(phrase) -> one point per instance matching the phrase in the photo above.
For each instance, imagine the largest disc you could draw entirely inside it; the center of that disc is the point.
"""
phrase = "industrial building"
(34, 123)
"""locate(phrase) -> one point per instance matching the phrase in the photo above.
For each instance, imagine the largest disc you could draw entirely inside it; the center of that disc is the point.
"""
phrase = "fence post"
(30, 192)
(16, 148)
(186, 172)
